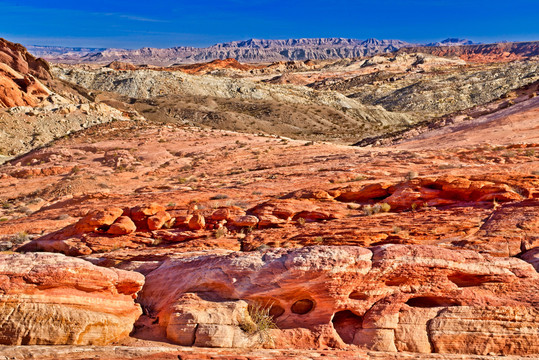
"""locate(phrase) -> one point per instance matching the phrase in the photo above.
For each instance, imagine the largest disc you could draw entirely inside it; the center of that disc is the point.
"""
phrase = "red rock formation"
(227, 64)
(122, 226)
(19, 59)
(388, 298)
(55, 300)
(119, 65)
(18, 73)
(18, 89)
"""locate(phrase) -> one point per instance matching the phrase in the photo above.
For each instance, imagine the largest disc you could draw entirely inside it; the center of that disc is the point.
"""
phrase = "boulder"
(122, 226)
(245, 221)
(98, 220)
(57, 300)
(140, 213)
(157, 221)
(197, 222)
(205, 323)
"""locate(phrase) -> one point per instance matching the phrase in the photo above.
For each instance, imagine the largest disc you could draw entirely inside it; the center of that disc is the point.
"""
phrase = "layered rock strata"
(51, 299)
(388, 298)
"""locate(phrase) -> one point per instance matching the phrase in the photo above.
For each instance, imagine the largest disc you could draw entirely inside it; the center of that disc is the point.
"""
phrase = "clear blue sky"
(166, 23)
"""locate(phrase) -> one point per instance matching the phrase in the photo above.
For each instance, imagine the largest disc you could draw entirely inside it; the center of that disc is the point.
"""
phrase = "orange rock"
(363, 193)
(157, 221)
(98, 220)
(140, 213)
(220, 214)
(388, 298)
(245, 221)
(83, 304)
(122, 226)
(197, 222)
(19, 59)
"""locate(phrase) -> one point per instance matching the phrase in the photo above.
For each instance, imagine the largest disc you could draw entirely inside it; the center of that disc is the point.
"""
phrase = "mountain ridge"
(251, 50)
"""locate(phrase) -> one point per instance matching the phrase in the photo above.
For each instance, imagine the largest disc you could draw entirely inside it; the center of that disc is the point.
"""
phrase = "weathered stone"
(56, 300)
(98, 220)
(157, 221)
(245, 221)
(197, 222)
(387, 298)
(122, 226)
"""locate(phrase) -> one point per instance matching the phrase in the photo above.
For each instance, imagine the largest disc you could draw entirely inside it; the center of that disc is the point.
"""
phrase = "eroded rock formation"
(386, 298)
(56, 300)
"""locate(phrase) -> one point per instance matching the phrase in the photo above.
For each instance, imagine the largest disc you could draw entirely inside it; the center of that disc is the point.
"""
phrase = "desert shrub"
(219, 197)
(219, 233)
(368, 210)
(385, 207)
(261, 323)
(20, 238)
(411, 175)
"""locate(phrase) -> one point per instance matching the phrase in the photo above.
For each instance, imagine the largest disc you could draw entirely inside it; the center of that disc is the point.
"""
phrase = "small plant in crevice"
(219, 233)
(318, 240)
(258, 321)
(411, 175)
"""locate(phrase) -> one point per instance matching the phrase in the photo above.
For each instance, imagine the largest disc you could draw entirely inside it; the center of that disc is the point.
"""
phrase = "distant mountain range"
(453, 42)
(253, 50)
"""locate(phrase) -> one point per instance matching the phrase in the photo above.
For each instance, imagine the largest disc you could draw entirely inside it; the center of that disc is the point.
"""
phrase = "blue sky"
(162, 23)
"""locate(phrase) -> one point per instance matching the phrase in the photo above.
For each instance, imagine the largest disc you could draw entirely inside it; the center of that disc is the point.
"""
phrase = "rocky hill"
(264, 51)
(424, 84)
(240, 104)
(35, 108)
(52, 51)
(482, 53)
(337, 100)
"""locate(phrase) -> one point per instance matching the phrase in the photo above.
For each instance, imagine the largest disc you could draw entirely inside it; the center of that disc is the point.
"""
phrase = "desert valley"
(266, 199)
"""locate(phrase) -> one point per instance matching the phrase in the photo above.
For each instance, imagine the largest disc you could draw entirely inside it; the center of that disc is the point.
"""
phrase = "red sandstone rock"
(362, 194)
(98, 220)
(157, 221)
(55, 300)
(278, 212)
(389, 298)
(18, 72)
(140, 213)
(220, 214)
(245, 221)
(532, 256)
(18, 58)
(197, 222)
(122, 226)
